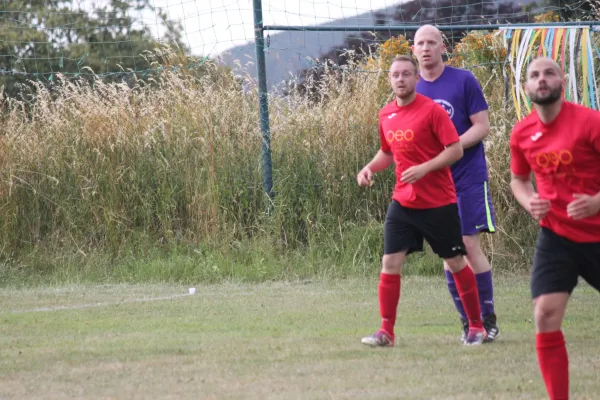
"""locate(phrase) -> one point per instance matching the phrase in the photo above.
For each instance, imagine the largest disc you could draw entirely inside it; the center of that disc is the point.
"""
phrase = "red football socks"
(389, 295)
(554, 363)
(466, 283)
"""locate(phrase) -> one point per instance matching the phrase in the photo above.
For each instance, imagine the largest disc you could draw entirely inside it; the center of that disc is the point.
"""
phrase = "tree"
(45, 37)
(572, 10)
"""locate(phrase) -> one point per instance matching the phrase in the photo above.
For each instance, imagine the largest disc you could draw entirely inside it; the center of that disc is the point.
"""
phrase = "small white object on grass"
(192, 290)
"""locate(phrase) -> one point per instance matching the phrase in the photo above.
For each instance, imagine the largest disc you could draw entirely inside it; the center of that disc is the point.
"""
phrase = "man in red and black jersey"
(559, 142)
(418, 136)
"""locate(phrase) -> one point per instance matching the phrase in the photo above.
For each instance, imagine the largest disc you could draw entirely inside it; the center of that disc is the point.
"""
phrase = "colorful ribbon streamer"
(571, 47)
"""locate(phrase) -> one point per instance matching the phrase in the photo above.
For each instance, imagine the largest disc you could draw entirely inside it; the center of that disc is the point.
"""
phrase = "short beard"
(551, 98)
(406, 95)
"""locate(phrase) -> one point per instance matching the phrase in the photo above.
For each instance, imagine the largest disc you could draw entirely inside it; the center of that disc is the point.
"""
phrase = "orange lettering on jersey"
(554, 158)
(400, 136)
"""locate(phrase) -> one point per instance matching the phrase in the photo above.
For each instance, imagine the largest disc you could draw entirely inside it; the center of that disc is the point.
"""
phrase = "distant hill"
(291, 52)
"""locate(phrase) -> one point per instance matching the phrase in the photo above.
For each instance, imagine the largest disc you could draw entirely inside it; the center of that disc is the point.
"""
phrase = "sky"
(212, 26)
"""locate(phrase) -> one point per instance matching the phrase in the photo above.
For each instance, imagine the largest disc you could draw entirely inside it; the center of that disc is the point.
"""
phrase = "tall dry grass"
(172, 166)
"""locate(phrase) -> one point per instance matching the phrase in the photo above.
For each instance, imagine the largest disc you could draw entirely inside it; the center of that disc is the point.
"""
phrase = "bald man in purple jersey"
(459, 92)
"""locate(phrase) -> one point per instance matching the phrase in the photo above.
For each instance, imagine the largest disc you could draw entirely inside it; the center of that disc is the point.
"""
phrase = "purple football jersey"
(458, 91)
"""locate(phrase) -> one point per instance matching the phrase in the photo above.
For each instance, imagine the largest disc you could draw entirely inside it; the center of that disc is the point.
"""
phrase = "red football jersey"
(415, 134)
(565, 159)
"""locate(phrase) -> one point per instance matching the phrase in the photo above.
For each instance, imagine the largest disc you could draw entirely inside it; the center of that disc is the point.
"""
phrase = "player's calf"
(389, 295)
(551, 350)
(466, 285)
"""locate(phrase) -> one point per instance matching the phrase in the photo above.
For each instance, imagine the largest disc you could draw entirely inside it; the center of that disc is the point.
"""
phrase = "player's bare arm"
(584, 205)
(381, 161)
(478, 131)
(525, 194)
(447, 157)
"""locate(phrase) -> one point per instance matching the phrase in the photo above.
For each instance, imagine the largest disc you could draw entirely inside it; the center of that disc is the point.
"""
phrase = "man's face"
(545, 83)
(428, 47)
(403, 78)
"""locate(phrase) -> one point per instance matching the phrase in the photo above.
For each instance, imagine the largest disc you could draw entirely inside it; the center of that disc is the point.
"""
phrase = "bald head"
(430, 31)
(545, 81)
(541, 63)
(429, 47)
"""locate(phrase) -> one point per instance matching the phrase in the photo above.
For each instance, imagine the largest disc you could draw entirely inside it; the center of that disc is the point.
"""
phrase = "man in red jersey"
(560, 143)
(418, 136)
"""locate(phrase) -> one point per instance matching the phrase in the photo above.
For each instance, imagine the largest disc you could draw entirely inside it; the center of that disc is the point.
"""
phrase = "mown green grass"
(296, 339)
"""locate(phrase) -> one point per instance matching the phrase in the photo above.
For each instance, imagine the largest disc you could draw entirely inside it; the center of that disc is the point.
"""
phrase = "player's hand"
(583, 206)
(413, 174)
(538, 208)
(365, 177)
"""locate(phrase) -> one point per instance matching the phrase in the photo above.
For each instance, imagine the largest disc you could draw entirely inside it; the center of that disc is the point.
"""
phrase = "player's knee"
(548, 315)
(392, 263)
(455, 264)
(446, 267)
(475, 255)
(472, 244)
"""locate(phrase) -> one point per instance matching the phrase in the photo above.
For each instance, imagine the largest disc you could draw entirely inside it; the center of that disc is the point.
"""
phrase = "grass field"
(275, 340)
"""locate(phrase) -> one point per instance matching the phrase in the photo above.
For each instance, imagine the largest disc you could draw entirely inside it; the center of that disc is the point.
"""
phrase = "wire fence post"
(259, 39)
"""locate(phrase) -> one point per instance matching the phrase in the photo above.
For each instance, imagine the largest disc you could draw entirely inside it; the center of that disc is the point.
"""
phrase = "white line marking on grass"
(210, 294)
(90, 305)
